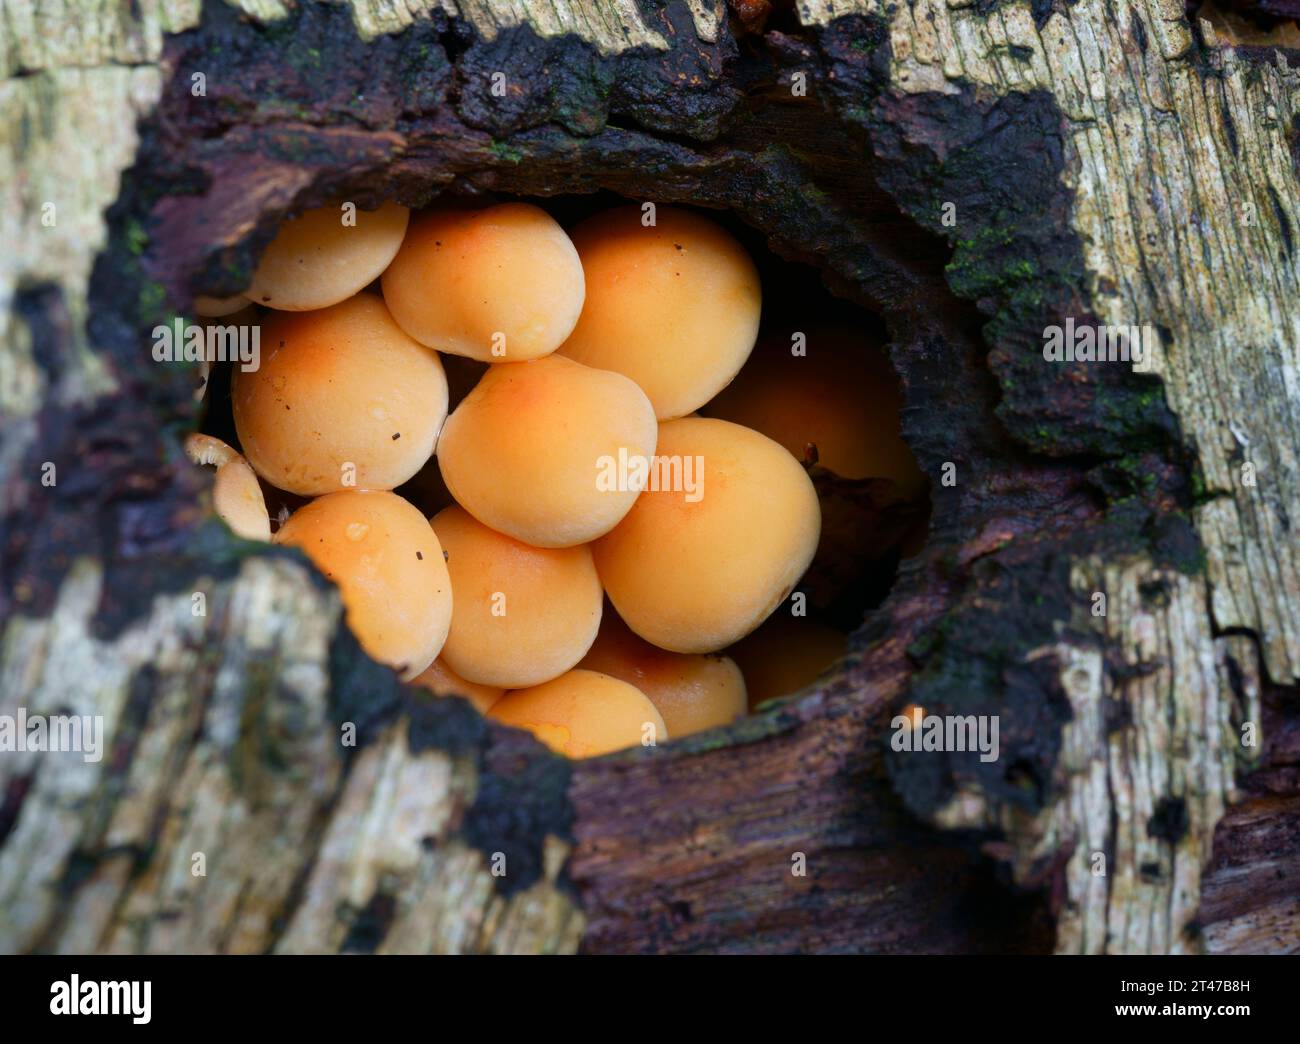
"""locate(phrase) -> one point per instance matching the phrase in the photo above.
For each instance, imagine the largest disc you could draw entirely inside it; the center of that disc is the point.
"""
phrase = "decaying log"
(1109, 162)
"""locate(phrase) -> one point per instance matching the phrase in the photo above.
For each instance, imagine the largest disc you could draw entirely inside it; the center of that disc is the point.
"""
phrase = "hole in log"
(717, 823)
(818, 381)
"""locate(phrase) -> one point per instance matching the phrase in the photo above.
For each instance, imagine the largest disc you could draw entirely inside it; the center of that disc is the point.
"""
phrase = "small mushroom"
(673, 305)
(785, 654)
(236, 493)
(693, 693)
(502, 284)
(694, 572)
(333, 388)
(534, 450)
(841, 398)
(523, 615)
(321, 258)
(441, 680)
(215, 307)
(582, 714)
(389, 567)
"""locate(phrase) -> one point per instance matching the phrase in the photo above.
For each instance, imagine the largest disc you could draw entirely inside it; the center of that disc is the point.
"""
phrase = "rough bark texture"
(1113, 163)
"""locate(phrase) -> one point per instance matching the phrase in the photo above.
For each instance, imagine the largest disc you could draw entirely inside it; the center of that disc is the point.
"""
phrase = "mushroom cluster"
(596, 545)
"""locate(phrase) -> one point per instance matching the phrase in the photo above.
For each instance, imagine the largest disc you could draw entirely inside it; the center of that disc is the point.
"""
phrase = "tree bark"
(1110, 163)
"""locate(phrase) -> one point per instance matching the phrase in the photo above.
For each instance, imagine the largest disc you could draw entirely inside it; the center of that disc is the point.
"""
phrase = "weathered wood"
(1101, 158)
(1250, 902)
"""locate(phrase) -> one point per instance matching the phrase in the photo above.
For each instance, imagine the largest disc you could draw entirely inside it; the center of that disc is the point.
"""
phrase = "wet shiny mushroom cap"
(673, 306)
(524, 614)
(692, 692)
(342, 399)
(582, 714)
(534, 450)
(703, 560)
(502, 284)
(389, 568)
(325, 256)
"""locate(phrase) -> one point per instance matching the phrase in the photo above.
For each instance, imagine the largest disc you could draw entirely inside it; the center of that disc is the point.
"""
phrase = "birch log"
(974, 174)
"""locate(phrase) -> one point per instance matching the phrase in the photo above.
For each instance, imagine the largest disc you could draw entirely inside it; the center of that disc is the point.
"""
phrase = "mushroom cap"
(340, 386)
(208, 450)
(215, 307)
(524, 614)
(237, 498)
(582, 714)
(389, 568)
(787, 653)
(693, 693)
(316, 260)
(526, 450)
(463, 277)
(694, 572)
(841, 397)
(236, 493)
(674, 306)
(441, 680)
